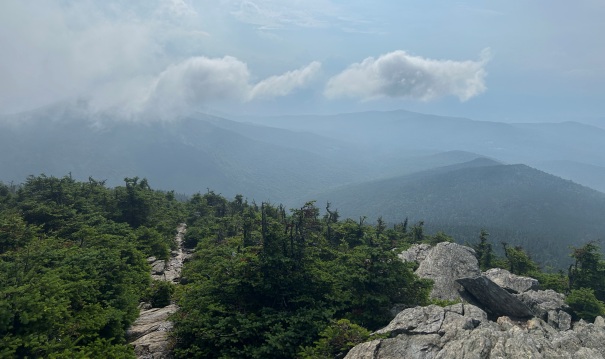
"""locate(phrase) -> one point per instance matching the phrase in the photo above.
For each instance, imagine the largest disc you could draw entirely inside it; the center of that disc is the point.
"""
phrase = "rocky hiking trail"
(149, 334)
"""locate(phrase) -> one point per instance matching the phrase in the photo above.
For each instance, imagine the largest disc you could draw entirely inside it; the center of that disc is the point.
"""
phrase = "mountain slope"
(515, 203)
(197, 153)
(189, 155)
(585, 174)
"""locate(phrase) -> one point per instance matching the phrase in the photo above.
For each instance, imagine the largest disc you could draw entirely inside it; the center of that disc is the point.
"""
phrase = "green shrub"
(584, 304)
(336, 340)
(160, 293)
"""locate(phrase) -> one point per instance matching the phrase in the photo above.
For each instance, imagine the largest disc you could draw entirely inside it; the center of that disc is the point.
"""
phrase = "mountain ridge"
(515, 203)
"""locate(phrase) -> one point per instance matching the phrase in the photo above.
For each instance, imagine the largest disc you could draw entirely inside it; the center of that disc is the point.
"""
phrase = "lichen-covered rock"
(365, 350)
(511, 282)
(151, 320)
(445, 263)
(463, 331)
(543, 301)
(559, 319)
(416, 253)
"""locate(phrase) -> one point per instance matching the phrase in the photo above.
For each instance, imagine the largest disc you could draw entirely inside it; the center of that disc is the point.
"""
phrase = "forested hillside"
(286, 163)
(516, 203)
(186, 155)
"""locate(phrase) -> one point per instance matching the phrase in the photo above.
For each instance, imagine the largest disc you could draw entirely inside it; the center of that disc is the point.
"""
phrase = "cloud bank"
(200, 80)
(401, 75)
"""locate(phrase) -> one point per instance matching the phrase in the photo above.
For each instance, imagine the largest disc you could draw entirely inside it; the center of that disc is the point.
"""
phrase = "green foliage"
(336, 340)
(588, 270)
(518, 261)
(160, 293)
(439, 237)
(443, 302)
(263, 283)
(585, 304)
(72, 268)
(587, 282)
(484, 251)
(558, 282)
(152, 243)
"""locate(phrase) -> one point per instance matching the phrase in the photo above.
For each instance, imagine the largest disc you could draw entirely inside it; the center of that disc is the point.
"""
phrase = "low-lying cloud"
(284, 84)
(200, 80)
(401, 75)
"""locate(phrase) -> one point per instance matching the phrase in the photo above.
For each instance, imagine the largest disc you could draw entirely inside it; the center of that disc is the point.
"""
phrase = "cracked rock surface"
(463, 331)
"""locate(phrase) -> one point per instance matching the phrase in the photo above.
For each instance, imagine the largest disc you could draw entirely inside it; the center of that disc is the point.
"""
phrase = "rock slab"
(498, 301)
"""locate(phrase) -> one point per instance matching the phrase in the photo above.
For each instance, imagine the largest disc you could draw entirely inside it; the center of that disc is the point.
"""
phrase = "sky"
(501, 60)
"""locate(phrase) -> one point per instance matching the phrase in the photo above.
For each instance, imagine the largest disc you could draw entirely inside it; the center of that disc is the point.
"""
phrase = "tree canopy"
(72, 263)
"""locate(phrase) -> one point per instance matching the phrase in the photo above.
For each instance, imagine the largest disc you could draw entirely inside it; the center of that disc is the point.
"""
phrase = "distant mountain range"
(450, 172)
(188, 155)
(569, 145)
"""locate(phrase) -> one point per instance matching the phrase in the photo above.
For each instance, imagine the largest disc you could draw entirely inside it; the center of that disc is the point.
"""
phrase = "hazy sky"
(495, 60)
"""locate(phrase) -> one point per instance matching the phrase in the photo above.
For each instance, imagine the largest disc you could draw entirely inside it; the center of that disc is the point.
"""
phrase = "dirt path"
(149, 333)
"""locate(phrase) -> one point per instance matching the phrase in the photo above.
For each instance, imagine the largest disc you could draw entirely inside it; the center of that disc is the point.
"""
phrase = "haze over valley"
(301, 163)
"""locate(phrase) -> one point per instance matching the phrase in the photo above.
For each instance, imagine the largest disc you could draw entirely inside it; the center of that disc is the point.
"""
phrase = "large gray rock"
(151, 320)
(541, 302)
(511, 282)
(463, 331)
(493, 298)
(445, 263)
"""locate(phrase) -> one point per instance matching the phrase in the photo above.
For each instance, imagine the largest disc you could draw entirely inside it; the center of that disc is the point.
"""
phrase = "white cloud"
(284, 84)
(198, 81)
(54, 51)
(400, 75)
(125, 56)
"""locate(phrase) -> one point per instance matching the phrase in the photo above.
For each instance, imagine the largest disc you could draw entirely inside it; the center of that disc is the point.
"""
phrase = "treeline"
(72, 264)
